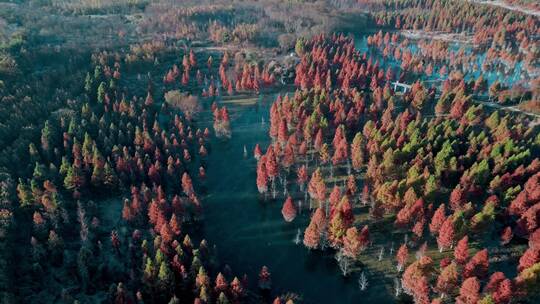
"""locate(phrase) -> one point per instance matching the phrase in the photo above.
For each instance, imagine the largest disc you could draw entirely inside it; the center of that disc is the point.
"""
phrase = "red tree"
(262, 178)
(289, 210)
(448, 280)
(437, 220)
(529, 258)
(187, 184)
(477, 266)
(257, 153)
(461, 253)
(221, 284)
(401, 256)
(364, 237)
(446, 235)
(311, 236)
(302, 176)
(351, 243)
(506, 235)
(469, 292)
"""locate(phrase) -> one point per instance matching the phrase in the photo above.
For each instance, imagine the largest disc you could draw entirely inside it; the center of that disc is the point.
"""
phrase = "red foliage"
(221, 284)
(187, 184)
(289, 210)
(446, 234)
(166, 233)
(257, 153)
(311, 236)
(469, 292)
(364, 237)
(477, 266)
(262, 178)
(457, 198)
(500, 288)
(175, 225)
(448, 279)
(437, 220)
(351, 185)
(302, 175)
(401, 256)
(529, 258)
(351, 243)
(461, 252)
(316, 226)
(534, 240)
(506, 235)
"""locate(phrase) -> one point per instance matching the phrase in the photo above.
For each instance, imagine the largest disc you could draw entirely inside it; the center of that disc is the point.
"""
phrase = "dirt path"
(512, 7)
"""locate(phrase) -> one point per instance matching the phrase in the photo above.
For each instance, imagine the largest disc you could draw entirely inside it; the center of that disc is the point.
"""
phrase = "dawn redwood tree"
(477, 266)
(317, 187)
(187, 184)
(457, 198)
(272, 169)
(421, 293)
(257, 152)
(461, 252)
(237, 290)
(221, 284)
(289, 210)
(175, 225)
(401, 256)
(351, 243)
(262, 177)
(534, 239)
(448, 280)
(437, 220)
(357, 151)
(312, 236)
(166, 233)
(127, 214)
(506, 235)
(365, 195)
(469, 292)
(529, 258)
(446, 235)
(288, 157)
(336, 229)
(351, 185)
(345, 208)
(504, 293)
(414, 281)
(501, 288)
(302, 176)
(364, 238)
(115, 241)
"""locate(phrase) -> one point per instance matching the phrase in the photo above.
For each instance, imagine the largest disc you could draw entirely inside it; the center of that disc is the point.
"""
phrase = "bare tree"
(381, 254)
(362, 281)
(324, 240)
(397, 287)
(344, 263)
(297, 239)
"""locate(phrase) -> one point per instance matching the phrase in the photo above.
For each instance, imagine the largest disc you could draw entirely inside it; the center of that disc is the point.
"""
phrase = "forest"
(274, 151)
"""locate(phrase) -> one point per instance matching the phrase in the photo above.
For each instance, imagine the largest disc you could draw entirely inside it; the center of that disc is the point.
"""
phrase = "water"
(512, 75)
(250, 232)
